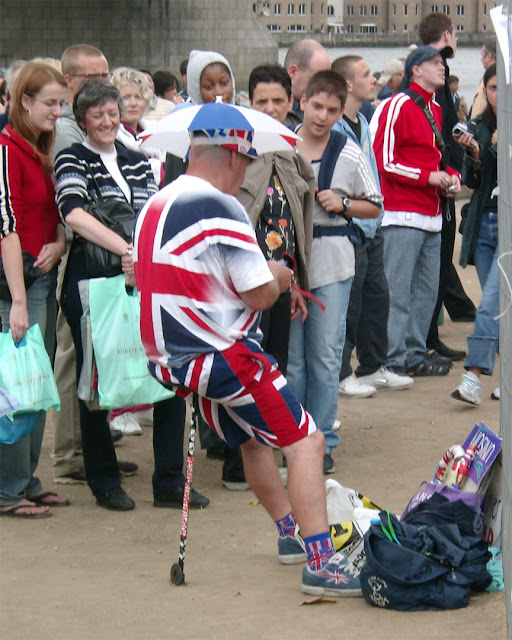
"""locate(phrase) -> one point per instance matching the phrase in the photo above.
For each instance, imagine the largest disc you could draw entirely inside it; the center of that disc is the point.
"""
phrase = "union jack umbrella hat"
(237, 128)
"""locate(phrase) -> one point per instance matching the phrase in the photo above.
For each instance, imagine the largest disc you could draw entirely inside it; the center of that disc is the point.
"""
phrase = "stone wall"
(151, 34)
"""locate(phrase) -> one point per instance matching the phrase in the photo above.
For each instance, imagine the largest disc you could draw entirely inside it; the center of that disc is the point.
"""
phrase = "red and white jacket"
(406, 153)
(27, 195)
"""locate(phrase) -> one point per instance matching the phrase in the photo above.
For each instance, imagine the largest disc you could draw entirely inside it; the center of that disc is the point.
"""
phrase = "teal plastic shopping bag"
(26, 374)
(123, 376)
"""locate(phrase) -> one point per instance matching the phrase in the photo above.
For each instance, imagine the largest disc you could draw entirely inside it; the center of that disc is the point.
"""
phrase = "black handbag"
(119, 217)
(30, 274)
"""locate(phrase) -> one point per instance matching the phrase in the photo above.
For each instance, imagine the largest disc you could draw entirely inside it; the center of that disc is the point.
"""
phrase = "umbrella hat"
(239, 128)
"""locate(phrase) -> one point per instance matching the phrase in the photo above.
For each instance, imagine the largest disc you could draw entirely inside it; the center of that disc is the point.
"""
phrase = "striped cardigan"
(74, 169)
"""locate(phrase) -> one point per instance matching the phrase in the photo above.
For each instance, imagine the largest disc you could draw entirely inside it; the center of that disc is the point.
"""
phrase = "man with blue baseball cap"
(408, 147)
(203, 281)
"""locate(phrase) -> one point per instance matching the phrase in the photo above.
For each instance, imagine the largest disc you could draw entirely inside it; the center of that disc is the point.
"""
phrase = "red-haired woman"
(30, 231)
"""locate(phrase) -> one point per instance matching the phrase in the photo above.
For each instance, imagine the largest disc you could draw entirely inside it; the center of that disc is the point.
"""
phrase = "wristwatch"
(346, 204)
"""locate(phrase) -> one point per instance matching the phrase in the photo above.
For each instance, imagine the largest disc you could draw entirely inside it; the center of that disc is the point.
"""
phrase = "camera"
(460, 128)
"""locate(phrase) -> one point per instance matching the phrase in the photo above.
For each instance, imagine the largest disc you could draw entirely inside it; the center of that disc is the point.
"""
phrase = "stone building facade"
(150, 34)
(382, 17)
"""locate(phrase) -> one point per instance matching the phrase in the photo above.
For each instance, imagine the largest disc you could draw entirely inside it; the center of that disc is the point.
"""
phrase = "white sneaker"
(354, 388)
(469, 389)
(385, 380)
(495, 395)
(127, 423)
(336, 425)
(145, 416)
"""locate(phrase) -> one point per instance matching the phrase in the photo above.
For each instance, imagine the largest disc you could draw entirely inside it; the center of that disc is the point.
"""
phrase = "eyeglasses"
(101, 76)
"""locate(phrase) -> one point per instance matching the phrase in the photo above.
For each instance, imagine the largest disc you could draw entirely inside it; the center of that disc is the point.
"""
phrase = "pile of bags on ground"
(438, 551)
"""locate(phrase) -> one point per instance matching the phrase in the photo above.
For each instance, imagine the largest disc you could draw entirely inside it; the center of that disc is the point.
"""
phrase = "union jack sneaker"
(338, 578)
(290, 550)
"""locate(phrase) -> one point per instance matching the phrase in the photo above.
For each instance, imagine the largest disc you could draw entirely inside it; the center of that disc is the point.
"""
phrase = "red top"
(27, 195)
(406, 153)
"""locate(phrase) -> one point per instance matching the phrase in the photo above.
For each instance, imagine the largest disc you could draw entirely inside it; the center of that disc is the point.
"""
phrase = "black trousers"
(451, 292)
(101, 468)
(368, 309)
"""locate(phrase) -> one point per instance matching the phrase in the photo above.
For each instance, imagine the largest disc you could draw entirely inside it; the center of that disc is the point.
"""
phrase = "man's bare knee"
(313, 444)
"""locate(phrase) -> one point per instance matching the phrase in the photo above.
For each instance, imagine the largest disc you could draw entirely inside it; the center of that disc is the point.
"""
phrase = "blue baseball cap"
(422, 54)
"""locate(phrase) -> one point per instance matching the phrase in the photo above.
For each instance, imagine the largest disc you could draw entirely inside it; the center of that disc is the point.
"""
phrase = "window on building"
(460, 9)
(312, 8)
(484, 9)
(274, 27)
(394, 9)
(277, 9)
(350, 10)
(330, 10)
(484, 27)
(373, 9)
(266, 8)
(350, 28)
(406, 9)
(393, 29)
(416, 9)
(296, 27)
(405, 28)
(302, 9)
(446, 9)
(460, 28)
(367, 29)
(434, 8)
(254, 8)
(322, 9)
(362, 10)
(291, 9)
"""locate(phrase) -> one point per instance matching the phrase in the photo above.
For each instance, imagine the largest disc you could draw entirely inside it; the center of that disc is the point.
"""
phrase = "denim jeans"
(18, 461)
(314, 357)
(483, 343)
(411, 265)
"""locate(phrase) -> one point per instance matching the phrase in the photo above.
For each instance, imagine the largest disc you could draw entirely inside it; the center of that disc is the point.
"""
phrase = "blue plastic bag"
(123, 376)
(26, 374)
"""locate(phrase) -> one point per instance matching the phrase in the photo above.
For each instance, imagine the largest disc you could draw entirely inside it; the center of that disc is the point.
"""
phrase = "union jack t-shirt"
(194, 250)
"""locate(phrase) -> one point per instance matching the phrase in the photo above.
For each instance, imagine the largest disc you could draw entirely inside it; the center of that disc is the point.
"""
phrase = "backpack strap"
(420, 101)
(330, 156)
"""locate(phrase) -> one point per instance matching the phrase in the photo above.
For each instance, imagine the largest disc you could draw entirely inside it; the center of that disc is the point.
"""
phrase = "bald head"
(303, 59)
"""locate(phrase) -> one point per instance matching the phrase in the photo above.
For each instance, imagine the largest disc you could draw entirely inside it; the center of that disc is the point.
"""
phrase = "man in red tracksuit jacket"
(409, 164)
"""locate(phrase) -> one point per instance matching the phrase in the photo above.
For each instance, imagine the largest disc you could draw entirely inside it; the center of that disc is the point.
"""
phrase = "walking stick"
(177, 571)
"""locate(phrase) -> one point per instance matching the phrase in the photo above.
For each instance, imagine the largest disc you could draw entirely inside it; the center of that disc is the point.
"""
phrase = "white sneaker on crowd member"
(495, 395)
(385, 380)
(127, 423)
(336, 425)
(144, 416)
(469, 389)
(354, 388)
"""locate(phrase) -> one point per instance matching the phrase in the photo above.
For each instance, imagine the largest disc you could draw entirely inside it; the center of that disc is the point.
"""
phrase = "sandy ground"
(89, 573)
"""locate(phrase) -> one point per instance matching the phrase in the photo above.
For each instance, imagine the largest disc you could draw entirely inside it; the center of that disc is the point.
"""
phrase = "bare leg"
(305, 481)
(306, 487)
(263, 477)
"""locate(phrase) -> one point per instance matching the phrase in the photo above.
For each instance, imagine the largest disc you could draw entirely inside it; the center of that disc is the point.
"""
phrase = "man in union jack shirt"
(203, 282)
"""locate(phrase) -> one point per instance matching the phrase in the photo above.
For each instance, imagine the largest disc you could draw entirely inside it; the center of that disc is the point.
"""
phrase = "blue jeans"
(411, 265)
(483, 343)
(314, 357)
(18, 461)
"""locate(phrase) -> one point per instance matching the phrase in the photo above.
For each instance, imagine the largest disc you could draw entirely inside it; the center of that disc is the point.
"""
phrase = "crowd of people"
(354, 231)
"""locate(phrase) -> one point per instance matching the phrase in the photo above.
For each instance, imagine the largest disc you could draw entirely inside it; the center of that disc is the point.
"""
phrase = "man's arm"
(265, 295)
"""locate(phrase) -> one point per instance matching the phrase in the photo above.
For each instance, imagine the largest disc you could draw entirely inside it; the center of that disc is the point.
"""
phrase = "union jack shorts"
(242, 394)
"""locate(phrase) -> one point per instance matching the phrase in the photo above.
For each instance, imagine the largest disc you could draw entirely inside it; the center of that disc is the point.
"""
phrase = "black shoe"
(174, 499)
(116, 434)
(116, 500)
(436, 357)
(328, 464)
(128, 468)
(445, 351)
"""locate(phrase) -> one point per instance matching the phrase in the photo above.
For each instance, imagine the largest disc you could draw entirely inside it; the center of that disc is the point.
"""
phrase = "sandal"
(429, 367)
(15, 512)
(42, 500)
